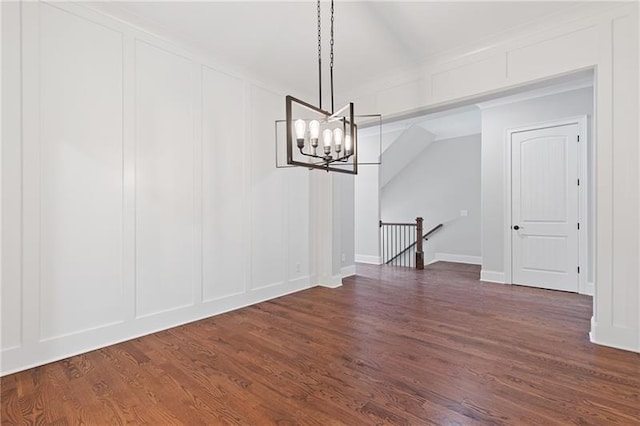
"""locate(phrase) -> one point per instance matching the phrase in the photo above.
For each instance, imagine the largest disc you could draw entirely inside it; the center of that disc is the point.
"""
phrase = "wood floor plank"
(391, 346)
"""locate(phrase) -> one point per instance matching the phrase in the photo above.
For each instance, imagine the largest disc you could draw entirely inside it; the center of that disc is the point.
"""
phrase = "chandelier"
(317, 138)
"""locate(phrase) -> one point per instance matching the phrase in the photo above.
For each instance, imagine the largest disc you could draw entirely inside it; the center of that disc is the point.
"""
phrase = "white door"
(544, 202)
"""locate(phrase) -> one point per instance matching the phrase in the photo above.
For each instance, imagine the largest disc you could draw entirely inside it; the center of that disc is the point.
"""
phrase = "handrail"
(424, 237)
(434, 229)
(396, 224)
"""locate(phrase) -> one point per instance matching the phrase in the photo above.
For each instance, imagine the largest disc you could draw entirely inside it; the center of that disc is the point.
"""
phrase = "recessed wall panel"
(555, 55)
(81, 174)
(469, 79)
(164, 180)
(223, 128)
(11, 293)
(297, 190)
(268, 233)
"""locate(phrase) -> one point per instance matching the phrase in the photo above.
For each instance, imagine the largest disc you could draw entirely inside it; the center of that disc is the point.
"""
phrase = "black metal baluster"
(387, 243)
(384, 244)
(388, 246)
(395, 243)
(415, 247)
(392, 245)
(386, 239)
(413, 255)
(404, 257)
(382, 240)
(406, 235)
(390, 254)
(403, 244)
(398, 242)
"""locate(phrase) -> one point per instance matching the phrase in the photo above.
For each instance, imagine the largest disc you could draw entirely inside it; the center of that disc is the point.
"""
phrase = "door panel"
(545, 207)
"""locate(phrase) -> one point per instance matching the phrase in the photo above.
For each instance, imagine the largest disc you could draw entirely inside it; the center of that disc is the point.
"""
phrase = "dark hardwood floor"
(392, 345)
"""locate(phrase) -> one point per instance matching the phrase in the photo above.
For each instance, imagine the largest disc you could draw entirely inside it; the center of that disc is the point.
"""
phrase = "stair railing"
(401, 245)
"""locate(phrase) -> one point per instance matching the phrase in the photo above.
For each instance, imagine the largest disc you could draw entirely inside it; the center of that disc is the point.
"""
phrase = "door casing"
(583, 190)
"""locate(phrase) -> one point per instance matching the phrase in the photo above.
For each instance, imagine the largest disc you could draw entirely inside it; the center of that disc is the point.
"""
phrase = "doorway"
(546, 205)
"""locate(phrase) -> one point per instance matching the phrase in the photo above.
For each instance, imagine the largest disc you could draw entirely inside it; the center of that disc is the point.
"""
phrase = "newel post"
(419, 253)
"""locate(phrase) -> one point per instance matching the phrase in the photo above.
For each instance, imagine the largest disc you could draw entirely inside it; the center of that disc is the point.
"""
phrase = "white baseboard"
(457, 258)
(334, 281)
(592, 331)
(362, 258)
(589, 289)
(39, 353)
(348, 271)
(492, 277)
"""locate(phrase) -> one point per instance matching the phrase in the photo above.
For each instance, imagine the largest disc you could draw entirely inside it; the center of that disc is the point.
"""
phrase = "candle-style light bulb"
(327, 136)
(347, 144)
(337, 139)
(301, 127)
(314, 132)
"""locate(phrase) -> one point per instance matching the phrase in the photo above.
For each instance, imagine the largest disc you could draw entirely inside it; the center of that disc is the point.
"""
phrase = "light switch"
(464, 213)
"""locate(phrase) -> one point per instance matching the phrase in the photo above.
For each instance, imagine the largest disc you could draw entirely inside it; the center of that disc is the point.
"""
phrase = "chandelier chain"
(319, 58)
(331, 42)
(331, 57)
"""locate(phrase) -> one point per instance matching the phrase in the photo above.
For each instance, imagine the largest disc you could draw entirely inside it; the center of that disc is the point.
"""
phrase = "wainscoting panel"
(268, 203)
(11, 169)
(165, 227)
(297, 181)
(148, 196)
(81, 174)
(223, 128)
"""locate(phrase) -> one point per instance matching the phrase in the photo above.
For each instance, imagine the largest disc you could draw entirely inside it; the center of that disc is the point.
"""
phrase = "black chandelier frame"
(324, 162)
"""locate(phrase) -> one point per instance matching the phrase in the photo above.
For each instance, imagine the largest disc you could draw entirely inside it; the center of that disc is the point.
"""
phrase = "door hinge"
(578, 225)
(578, 138)
(578, 182)
(578, 269)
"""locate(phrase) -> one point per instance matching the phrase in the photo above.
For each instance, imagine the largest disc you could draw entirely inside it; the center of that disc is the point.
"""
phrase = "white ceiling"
(278, 42)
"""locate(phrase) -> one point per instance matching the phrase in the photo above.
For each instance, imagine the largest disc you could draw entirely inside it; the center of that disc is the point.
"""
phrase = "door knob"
(516, 227)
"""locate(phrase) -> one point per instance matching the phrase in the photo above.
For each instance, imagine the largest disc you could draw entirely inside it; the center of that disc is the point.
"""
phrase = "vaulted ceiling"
(278, 40)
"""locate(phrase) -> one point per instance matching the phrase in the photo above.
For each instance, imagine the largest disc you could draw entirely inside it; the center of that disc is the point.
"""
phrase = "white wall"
(346, 189)
(143, 193)
(367, 215)
(440, 182)
(367, 200)
(495, 123)
(404, 149)
(603, 36)
(366, 191)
